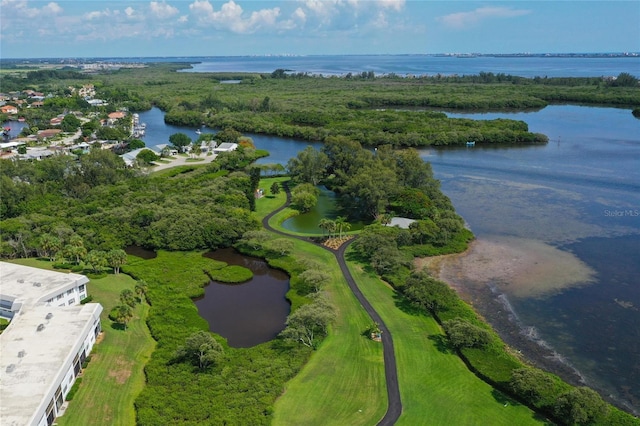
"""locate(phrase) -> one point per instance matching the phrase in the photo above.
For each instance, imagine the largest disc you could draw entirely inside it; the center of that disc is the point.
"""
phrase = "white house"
(225, 147)
(401, 222)
(43, 348)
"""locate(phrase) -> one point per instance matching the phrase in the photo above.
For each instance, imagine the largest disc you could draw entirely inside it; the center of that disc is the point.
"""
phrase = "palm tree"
(346, 227)
(123, 314)
(327, 225)
(342, 225)
(141, 289)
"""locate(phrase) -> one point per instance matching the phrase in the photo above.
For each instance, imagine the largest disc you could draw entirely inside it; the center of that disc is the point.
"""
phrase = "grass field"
(435, 385)
(343, 382)
(114, 377)
(269, 202)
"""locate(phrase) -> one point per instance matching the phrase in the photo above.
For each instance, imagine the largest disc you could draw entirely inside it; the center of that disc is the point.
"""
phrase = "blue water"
(422, 65)
(579, 193)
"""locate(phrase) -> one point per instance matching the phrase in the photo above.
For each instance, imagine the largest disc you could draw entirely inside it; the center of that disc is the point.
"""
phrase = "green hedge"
(74, 389)
(231, 274)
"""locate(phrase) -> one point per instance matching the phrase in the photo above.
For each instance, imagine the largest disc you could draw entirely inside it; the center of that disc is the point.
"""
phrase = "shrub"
(62, 265)
(74, 389)
(231, 274)
(580, 406)
(87, 299)
(463, 334)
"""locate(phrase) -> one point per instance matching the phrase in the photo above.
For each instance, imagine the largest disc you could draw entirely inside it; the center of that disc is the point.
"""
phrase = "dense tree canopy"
(106, 204)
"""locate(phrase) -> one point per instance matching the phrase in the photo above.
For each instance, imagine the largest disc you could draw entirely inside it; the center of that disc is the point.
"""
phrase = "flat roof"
(32, 361)
(401, 222)
(31, 285)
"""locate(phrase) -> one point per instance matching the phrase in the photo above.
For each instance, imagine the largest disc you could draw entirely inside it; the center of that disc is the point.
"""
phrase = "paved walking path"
(394, 408)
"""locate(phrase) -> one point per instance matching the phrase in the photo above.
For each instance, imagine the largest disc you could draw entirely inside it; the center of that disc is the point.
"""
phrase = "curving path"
(394, 408)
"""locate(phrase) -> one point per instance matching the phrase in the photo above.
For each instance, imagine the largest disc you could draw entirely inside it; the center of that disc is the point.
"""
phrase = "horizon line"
(523, 54)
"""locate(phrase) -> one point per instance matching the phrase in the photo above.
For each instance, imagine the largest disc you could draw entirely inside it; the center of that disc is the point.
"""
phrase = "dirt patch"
(121, 370)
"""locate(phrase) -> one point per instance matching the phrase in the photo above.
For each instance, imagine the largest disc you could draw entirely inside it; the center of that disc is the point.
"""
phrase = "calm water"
(579, 193)
(422, 64)
(250, 313)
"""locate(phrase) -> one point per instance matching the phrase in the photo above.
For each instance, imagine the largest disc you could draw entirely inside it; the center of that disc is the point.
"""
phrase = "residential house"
(225, 147)
(48, 133)
(55, 121)
(9, 109)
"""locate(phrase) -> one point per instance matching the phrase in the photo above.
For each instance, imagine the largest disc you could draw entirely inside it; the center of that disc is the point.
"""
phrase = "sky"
(137, 28)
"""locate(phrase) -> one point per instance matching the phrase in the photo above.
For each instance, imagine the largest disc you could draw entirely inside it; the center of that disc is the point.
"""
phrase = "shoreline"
(480, 276)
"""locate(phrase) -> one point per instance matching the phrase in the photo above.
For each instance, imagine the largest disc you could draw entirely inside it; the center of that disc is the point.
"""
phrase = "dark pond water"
(580, 193)
(250, 313)
(141, 252)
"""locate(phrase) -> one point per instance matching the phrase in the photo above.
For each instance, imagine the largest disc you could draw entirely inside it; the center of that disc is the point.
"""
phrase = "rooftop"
(401, 222)
(36, 349)
(31, 285)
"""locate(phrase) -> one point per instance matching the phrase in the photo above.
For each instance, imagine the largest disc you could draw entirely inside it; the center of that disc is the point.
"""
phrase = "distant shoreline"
(67, 59)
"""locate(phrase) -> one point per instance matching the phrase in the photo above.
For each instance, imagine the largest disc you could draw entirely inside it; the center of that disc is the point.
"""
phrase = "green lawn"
(114, 377)
(435, 385)
(343, 382)
(269, 202)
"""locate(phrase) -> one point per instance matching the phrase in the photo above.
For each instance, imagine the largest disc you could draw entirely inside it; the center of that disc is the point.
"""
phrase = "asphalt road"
(394, 409)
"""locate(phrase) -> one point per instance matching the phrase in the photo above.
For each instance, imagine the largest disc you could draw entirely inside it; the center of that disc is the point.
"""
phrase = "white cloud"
(396, 5)
(201, 9)
(162, 10)
(104, 14)
(232, 17)
(17, 9)
(53, 8)
(299, 15)
(380, 21)
(345, 15)
(462, 20)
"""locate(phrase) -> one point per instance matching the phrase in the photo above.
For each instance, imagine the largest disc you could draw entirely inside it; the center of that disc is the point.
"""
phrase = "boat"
(198, 132)
(471, 143)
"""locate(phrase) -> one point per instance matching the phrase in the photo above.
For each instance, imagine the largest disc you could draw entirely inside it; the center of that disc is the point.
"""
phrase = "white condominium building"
(44, 346)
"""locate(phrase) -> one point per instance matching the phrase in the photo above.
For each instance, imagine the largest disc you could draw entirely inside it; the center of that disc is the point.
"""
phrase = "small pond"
(141, 252)
(327, 207)
(250, 313)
